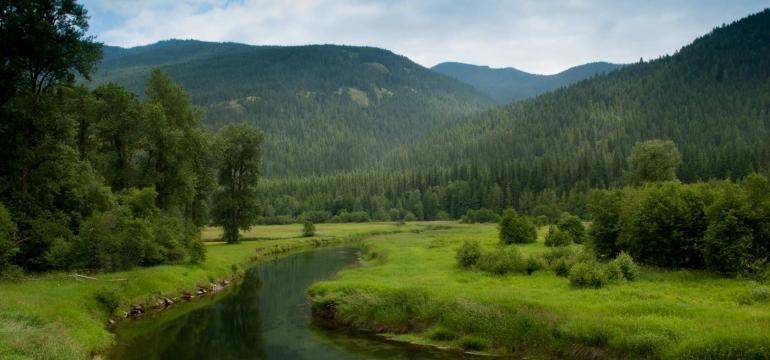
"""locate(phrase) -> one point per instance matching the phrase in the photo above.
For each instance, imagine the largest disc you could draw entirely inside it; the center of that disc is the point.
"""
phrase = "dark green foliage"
(721, 226)
(573, 226)
(323, 108)
(662, 224)
(534, 263)
(557, 237)
(316, 216)
(468, 254)
(8, 245)
(516, 229)
(440, 333)
(473, 343)
(480, 216)
(653, 160)
(605, 206)
(308, 229)
(235, 205)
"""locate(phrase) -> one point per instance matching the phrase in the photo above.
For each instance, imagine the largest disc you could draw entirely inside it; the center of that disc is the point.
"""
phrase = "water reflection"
(267, 317)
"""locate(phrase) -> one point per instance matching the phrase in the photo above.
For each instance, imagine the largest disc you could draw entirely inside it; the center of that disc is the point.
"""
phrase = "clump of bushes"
(573, 227)
(591, 273)
(720, 226)
(468, 254)
(516, 229)
(480, 216)
(440, 333)
(308, 229)
(502, 261)
(557, 237)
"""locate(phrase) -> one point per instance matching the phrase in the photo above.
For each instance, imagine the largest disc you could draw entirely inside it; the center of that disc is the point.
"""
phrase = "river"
(266, 317)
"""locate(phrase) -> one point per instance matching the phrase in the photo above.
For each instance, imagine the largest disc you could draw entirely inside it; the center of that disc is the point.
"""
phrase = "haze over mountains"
(508, 84)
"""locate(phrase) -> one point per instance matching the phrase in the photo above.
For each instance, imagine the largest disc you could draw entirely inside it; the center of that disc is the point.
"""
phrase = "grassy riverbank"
(411, 287)
(57, 316)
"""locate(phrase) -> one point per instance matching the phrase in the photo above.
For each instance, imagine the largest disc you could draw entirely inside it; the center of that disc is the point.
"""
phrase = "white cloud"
(537, 36)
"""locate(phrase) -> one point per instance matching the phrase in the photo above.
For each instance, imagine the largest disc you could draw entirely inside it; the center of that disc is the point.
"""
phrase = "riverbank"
(58, 316)
(411, 289)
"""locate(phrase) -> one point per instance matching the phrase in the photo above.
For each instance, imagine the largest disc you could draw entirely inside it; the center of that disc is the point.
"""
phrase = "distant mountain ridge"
(324, 108)
(509, 84)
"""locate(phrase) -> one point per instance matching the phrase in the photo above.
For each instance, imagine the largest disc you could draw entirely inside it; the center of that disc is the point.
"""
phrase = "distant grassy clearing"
(55, 316)
(411, 286)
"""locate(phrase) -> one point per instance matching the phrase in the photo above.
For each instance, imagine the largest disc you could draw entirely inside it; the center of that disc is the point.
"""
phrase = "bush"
(352, 217)
(308, 229)
(573, 226)
(604, 206)
(410, 216)
(468, 254)
(588, 274)
(627, 266)
(755, 293)
(480, 216)
(557, 237)
(727, 244)
(534, 263)
(502, 261)
(516, 229)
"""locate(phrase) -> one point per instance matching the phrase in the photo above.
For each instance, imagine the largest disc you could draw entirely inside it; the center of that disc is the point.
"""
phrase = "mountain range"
(314, 102)
(508, 84)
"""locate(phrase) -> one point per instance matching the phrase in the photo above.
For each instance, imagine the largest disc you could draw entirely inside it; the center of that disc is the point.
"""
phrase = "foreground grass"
(411, 287)
(57, 316)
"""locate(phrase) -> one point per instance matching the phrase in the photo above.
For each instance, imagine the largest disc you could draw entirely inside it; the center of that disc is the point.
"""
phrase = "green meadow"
(58, 316)
(410, 288)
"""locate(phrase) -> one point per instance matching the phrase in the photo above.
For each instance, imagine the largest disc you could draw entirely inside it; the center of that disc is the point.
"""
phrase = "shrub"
(573, 226)
(308, 229)
(468, 254)
(410, 216)
(588, 274)
(502, 261)
(627, 266)
(108, 298)
(516, 229)
(534, 263)
(557, 237)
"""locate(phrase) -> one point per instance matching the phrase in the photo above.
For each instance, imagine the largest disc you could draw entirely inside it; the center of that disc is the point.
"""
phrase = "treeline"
(425, 194)
(722, 226)
(97, 178)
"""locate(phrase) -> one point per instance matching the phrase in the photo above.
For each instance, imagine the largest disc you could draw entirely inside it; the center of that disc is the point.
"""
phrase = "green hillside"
(711, 98)
(323, 107)
(509, 84)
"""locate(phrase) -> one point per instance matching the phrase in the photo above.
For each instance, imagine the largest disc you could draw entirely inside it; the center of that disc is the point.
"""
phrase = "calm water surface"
(267, 317)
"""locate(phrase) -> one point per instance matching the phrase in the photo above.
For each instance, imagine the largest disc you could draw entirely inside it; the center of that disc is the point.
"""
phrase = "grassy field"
(57, 316)
(411, 288)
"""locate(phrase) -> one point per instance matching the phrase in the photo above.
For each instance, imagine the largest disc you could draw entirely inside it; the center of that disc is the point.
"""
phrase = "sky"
(537, 36)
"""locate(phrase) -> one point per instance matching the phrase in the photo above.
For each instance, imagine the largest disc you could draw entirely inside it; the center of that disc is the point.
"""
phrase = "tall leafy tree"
(235, 205)
(653, 160)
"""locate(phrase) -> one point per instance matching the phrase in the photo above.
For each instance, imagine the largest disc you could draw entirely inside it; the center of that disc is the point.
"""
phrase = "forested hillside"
(710, 98)
(322, 108)
(509, 84)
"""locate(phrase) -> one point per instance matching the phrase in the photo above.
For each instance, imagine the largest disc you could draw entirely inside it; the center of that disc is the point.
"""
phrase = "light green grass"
(56, 316)
(410, 285)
